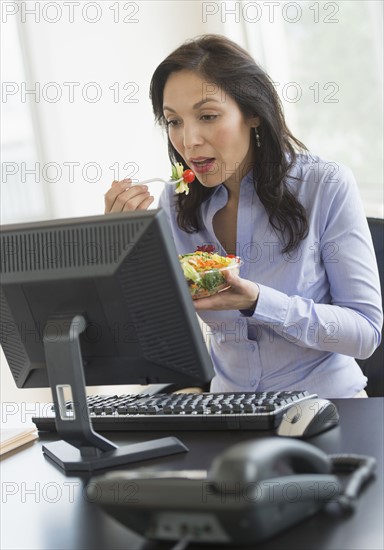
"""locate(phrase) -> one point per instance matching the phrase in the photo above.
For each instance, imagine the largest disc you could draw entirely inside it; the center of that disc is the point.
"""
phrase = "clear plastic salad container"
(204, 272)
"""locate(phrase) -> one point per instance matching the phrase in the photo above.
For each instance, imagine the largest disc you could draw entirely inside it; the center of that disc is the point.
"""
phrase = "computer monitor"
(99, 300)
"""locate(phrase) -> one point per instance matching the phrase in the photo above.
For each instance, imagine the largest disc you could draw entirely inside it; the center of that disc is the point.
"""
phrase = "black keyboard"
(185, 411)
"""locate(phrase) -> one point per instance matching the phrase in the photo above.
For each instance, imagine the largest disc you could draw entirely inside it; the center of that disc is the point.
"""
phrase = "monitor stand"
(81, 448)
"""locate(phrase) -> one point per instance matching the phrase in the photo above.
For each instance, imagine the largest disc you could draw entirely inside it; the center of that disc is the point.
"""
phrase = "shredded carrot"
(204, 261)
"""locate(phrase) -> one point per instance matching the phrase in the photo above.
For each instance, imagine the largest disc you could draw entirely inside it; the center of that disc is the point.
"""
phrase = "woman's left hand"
(242, 294)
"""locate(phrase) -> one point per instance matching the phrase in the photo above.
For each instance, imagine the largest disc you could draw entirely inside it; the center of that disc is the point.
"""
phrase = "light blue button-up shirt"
(319, 307)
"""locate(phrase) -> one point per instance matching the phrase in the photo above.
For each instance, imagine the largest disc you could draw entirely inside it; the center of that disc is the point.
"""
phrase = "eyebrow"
(195, 106)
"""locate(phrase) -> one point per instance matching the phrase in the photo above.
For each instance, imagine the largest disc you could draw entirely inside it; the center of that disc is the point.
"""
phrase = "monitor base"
(81, 448)
(70, 458)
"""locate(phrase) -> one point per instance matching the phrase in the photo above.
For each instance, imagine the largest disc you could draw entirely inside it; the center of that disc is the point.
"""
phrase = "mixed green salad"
(204, 271)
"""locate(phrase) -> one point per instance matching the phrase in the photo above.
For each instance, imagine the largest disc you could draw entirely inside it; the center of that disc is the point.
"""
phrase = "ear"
(255, 121)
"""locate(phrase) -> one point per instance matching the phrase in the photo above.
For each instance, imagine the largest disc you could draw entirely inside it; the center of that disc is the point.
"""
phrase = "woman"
(307, 301)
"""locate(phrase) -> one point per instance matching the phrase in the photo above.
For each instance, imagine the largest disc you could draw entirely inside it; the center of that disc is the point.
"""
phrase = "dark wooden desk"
(43, 509)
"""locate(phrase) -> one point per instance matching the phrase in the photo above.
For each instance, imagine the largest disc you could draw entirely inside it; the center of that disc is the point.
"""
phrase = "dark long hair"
(222, 62)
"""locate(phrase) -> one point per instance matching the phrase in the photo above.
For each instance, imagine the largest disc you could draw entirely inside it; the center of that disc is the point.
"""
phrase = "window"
(326, 61)
(22, 193)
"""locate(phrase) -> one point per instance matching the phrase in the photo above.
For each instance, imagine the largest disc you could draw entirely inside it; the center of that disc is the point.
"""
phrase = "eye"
(209, 117)
(171, 122)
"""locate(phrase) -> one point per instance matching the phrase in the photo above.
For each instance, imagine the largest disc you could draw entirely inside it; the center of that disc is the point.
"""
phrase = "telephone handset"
(252, 491)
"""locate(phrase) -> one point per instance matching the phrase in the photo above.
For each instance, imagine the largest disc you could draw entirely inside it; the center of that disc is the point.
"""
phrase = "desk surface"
(43, 509)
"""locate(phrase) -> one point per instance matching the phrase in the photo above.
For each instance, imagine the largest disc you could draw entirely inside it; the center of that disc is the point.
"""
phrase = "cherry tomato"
(188, 176)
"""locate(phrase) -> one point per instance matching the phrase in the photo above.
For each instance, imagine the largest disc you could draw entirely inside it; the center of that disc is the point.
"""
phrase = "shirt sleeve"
(351, 323)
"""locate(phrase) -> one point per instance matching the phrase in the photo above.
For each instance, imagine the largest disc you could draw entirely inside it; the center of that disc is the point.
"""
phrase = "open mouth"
(203, 165)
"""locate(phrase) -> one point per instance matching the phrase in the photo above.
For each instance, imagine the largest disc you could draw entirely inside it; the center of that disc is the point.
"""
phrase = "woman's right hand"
(122, 196)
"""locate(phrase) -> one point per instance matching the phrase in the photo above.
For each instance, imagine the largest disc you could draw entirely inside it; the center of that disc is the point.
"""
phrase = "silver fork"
(168, 182)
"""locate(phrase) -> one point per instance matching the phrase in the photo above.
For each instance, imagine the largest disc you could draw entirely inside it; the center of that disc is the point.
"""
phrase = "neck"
(234, 181)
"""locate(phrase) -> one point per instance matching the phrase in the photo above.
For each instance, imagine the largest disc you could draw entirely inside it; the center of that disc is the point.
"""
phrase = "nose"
(192, 136)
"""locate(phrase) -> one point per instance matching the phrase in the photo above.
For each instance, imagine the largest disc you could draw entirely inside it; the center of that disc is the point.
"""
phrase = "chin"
(209, 181)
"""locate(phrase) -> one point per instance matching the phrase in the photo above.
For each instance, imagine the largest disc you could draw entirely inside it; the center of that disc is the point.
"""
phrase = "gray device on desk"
(308, 418)
(100, 300)
(252, 491)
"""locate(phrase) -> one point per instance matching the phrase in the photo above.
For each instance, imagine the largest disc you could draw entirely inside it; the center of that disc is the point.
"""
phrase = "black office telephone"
(251, 492)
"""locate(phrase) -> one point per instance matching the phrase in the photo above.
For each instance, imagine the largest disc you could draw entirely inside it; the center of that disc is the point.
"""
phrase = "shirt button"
(252, 347)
